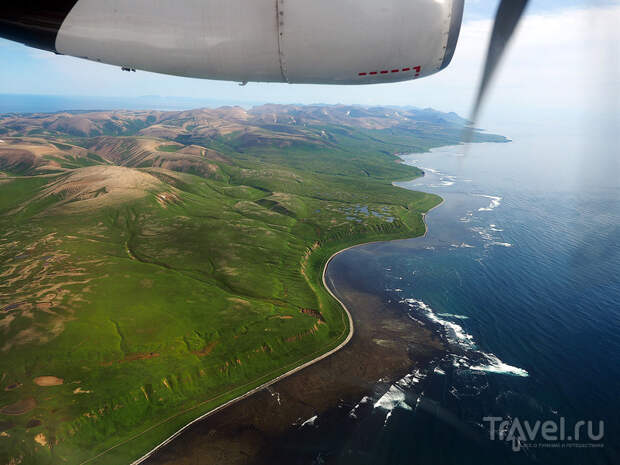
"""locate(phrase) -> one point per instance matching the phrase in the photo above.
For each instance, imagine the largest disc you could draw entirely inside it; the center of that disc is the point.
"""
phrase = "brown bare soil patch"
(97, 186)
(313, 313)
(31, 153)
(11, 158)
(48, 381)
(168, 198)
(310, 332)
(81, 391)
(161, 131)
(132, 358)
(209, 154)
(41, 440)
(238, 301)
(20, 407)
(206, 350)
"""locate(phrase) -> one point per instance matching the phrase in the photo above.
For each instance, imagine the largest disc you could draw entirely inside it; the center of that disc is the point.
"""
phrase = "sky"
(563, 64)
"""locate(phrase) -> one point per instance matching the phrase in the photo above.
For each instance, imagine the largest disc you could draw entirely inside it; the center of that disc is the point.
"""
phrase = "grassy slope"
(154, 311)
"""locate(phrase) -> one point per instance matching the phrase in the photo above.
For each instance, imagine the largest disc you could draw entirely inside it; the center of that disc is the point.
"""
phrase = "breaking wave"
(463, 245)
(495, 365)
(456, 335)
(310, 421)
(452, 315)
(394, 397)
(495, 202)
(488, 236)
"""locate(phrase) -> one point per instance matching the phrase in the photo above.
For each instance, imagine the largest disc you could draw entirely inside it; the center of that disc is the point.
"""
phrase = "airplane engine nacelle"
(295, 41)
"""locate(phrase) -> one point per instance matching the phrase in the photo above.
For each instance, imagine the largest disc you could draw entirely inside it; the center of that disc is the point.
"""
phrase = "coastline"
(263, 429)
(424, 216)
(293, 371)
(268, 383)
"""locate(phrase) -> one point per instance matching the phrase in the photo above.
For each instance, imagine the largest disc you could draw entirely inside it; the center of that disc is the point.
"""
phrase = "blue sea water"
(520, 273)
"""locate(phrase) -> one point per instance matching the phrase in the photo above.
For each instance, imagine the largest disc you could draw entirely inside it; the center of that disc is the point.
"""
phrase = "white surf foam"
(411, 379)
(495, 202)
(275, 394)
(454, 332)
(487, 235)
(443, 183)
(452, 315)
(495, 365)
(354, 411)
(463, 245)
(393, 398)
(467, 218)
(310, 421)
(457, 335)
(484, 234)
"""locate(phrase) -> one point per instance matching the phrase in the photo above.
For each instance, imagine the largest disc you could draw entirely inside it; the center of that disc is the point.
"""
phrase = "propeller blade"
(507, 17)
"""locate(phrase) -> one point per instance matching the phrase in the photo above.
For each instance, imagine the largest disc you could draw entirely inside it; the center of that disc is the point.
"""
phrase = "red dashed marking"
(417, 69)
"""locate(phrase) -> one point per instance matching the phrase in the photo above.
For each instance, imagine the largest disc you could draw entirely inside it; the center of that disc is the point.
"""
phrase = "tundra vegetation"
(154, 265)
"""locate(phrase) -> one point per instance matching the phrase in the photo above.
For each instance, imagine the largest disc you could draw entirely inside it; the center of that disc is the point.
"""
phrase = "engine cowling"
(294, 41)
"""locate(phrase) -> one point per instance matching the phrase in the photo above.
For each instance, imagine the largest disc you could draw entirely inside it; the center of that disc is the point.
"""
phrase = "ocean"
(520, 274)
